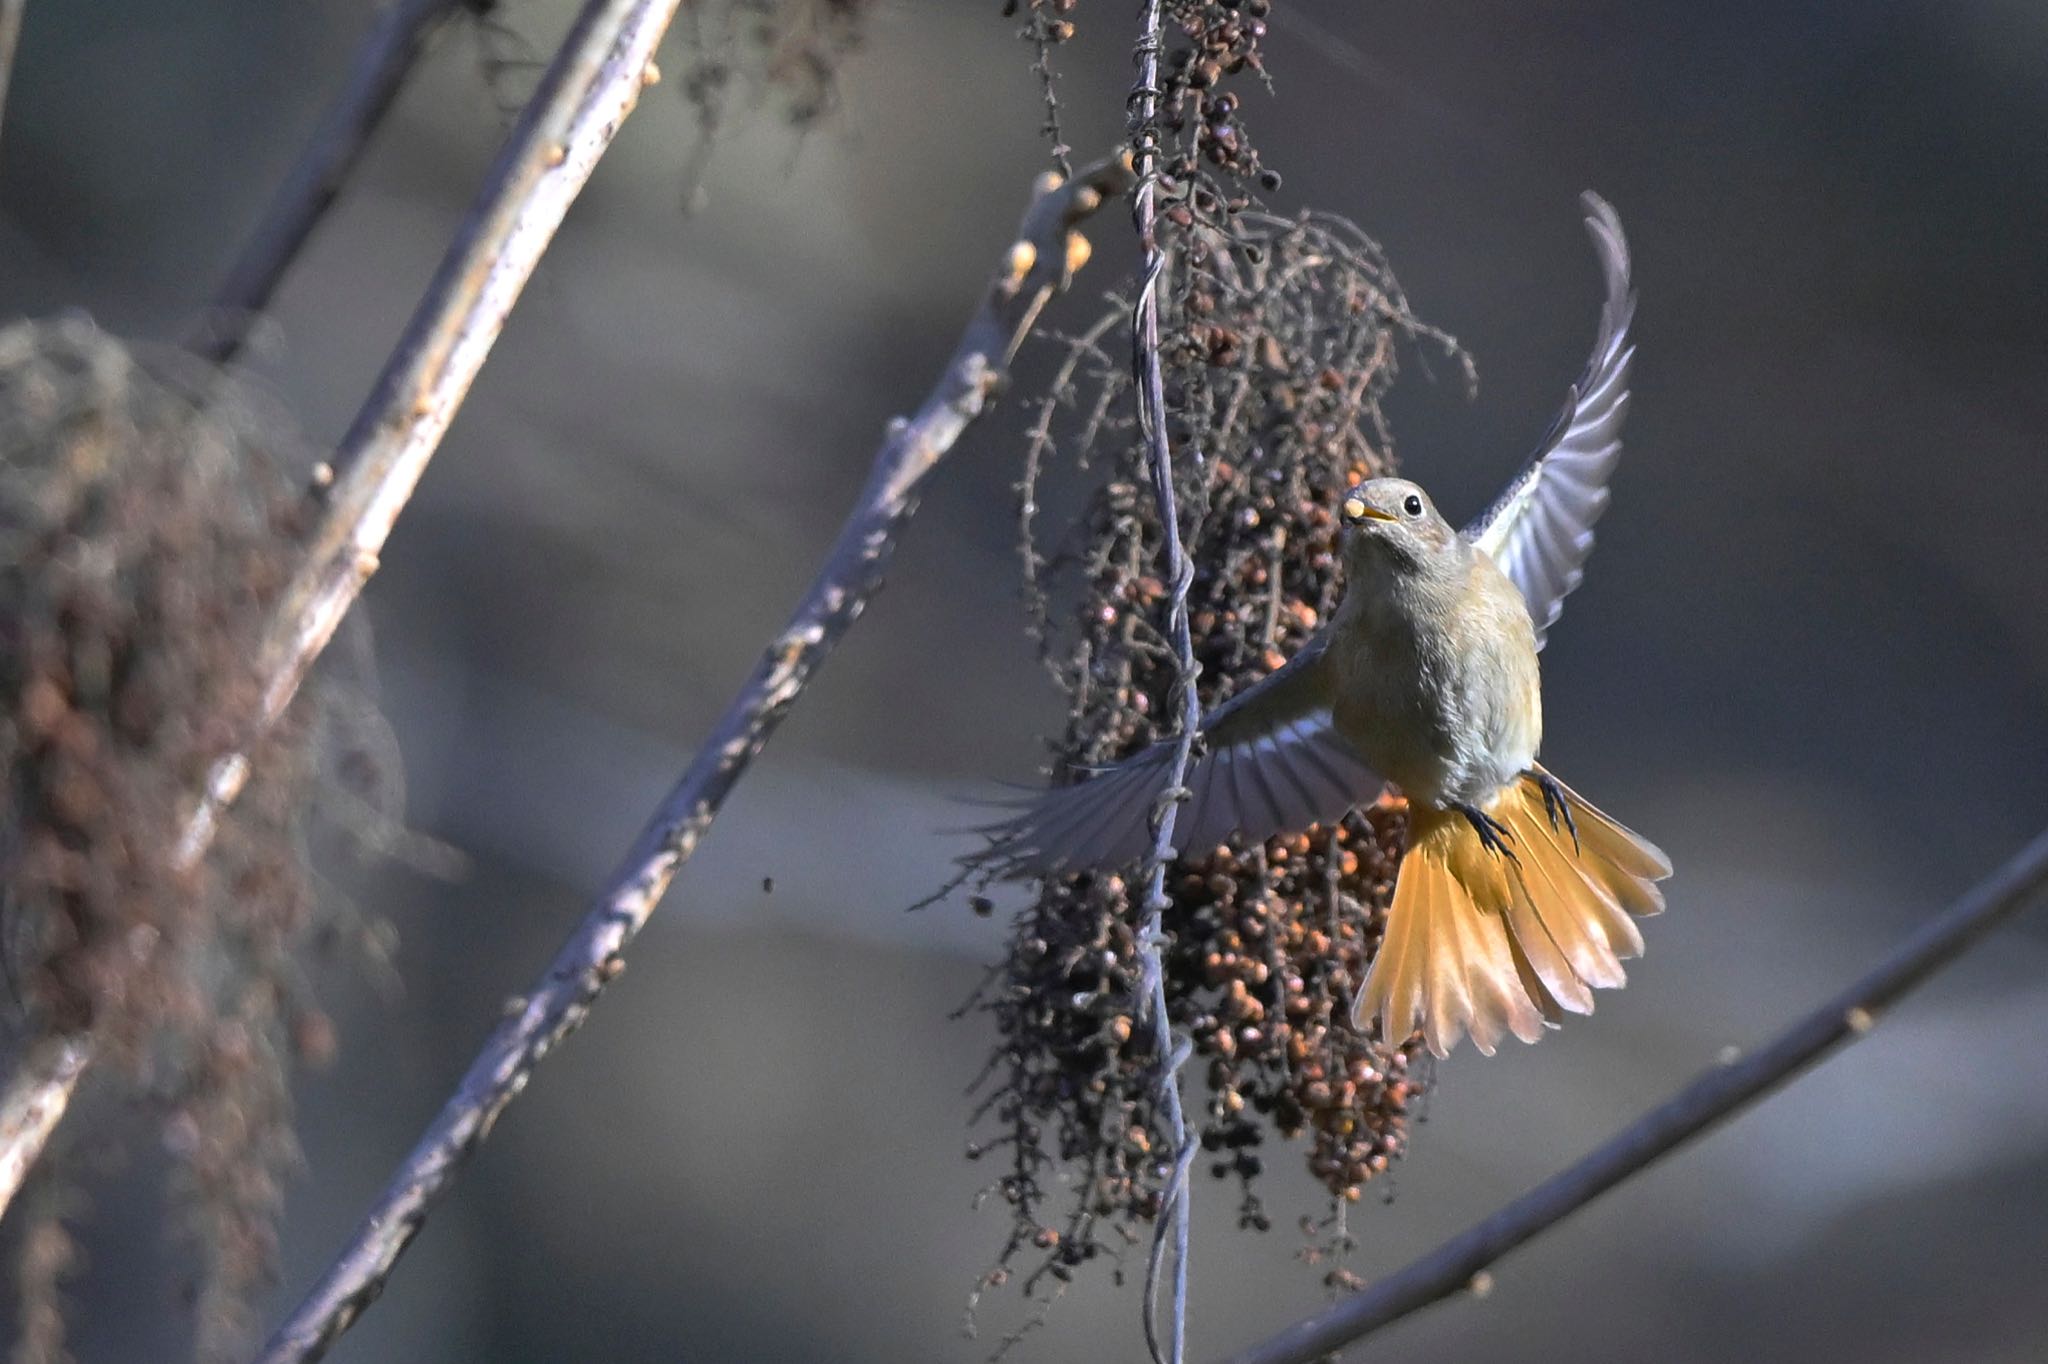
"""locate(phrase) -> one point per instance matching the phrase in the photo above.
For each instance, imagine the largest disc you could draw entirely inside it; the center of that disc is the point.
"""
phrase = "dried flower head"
(147, 530)
(1279, 340)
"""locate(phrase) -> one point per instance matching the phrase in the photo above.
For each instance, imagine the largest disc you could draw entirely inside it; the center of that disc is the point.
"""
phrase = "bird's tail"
(1491, 942)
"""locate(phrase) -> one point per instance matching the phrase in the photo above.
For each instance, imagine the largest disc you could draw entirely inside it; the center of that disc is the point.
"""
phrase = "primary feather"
(1269, 762)
(1540, 529)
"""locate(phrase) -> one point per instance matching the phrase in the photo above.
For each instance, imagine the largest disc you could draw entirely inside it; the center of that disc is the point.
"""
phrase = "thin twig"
(1457, 1264)
(395, 41)
(588, 90)
(10, 39)
(1041, 38)
(1151, 395)
(1040, 261)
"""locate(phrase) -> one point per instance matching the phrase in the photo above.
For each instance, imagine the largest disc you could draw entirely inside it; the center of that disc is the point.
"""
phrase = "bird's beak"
(1358, 509)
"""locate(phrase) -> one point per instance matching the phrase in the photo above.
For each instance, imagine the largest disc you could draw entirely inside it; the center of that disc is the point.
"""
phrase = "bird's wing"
(1541, 529)
(1272, 764)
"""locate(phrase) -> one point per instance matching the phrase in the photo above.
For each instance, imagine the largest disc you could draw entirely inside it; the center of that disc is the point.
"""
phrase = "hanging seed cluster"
(1279, 345)
(783, 54)
(1216, 40)
(146, 532)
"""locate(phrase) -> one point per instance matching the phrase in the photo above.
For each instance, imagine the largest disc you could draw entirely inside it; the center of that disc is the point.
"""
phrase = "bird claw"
(1555, 805)
(1493, 835)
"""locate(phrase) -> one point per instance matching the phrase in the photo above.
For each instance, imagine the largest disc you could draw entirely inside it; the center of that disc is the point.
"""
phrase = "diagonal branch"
(1459, 1263)
(395, 41)
(587, 92)
(1038, 263)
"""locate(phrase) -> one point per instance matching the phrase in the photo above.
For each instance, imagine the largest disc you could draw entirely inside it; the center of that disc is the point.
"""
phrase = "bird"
(1515, 897)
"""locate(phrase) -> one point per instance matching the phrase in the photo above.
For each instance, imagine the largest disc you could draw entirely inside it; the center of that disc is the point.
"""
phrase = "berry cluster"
(1279, 345)
(1211, 42)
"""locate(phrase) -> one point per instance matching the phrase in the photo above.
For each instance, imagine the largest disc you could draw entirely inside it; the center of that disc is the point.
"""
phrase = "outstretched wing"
(1272, 764)
(1541, 529)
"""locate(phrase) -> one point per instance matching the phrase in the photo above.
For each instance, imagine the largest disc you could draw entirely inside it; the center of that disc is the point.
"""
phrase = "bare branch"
(586, 93)
(386, 56)
(1151, 397)
(1457, 1264)
(1038, 263)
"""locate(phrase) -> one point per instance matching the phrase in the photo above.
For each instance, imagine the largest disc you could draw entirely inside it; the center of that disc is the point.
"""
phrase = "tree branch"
(1150, 390)
(1039, 262)
(1719, 1093)
(587, 92)
(395, 41)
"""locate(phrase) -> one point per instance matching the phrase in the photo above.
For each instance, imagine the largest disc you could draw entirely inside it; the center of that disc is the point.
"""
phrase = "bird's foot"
(1493, 835)
(1556, 806)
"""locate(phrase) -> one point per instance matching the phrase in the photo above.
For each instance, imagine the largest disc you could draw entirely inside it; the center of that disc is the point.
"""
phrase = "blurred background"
(1811, 657)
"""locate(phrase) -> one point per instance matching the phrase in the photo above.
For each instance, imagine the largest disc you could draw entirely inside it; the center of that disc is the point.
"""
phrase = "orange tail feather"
(1480, 943)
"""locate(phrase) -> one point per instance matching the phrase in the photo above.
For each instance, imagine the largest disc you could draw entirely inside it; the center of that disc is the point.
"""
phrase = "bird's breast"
(1437, 686)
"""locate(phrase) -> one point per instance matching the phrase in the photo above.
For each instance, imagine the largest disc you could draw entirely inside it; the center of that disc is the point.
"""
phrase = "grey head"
(1393, 526)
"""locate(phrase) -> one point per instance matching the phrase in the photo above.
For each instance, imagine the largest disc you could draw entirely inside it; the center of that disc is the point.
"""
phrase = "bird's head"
(1393, 522)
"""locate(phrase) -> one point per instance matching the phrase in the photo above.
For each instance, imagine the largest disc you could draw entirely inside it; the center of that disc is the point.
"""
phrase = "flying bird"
(1516, 898)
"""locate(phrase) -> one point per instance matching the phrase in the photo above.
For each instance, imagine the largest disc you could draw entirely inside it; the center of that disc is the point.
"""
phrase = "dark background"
(1811, 659)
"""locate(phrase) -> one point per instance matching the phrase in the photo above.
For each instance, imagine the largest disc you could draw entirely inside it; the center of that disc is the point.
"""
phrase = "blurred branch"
(383, 61)
(589, 88)
(586, 93)
(37, 1095)
(1458, 1264)
(1037, 264)
(1151, 396)
(10, 40)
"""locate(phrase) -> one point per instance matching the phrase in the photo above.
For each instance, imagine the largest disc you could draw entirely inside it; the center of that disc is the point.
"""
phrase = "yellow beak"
(1358, 509)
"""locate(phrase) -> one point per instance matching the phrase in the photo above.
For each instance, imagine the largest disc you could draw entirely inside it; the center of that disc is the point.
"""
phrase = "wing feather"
(1540, 530)
(1273, 764)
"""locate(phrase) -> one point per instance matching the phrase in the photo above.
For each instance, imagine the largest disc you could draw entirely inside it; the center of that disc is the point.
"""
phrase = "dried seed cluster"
(1278, 339)
(1215, 40)
(784, 54)
(1279, 345)
(146, 532)
(142, 542)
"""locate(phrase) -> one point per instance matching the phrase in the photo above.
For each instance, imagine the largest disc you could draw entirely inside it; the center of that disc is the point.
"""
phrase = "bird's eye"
(1412, 505)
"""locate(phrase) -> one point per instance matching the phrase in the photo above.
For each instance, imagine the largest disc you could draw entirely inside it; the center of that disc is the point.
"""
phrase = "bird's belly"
(1446, 726)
